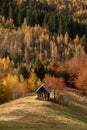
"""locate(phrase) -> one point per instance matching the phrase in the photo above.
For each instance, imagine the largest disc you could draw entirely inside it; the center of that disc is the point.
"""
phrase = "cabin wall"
(40, 96)
(43, 96)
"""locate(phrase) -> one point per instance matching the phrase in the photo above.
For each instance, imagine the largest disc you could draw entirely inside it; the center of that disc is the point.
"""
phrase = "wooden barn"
(43, 92)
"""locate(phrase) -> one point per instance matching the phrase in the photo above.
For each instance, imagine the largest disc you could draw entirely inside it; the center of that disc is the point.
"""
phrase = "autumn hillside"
(42, 41)
(30, 113)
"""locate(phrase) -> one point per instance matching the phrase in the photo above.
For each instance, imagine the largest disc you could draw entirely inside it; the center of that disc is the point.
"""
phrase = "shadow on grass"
(32, 126)
(69, 110)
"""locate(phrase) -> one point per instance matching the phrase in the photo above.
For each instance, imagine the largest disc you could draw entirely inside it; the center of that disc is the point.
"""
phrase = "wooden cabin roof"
(44, 86)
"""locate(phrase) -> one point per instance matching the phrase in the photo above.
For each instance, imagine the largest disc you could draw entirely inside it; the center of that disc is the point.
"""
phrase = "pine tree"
(29, 16)
(23, 71)
(60, 29)
(51, 22)
(5, 8)
(19, 19)
(10, 15)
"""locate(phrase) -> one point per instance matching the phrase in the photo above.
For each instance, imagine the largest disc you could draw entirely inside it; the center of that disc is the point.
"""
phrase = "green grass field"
(31, 114)
(37, 126)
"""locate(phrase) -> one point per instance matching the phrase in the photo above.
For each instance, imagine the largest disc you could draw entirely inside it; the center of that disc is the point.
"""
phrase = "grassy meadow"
(28, 113)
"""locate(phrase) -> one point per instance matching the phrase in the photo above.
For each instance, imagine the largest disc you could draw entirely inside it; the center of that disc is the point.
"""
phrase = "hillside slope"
(30, 113)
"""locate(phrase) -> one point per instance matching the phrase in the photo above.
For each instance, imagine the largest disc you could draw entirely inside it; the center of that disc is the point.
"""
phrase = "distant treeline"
(40, 14)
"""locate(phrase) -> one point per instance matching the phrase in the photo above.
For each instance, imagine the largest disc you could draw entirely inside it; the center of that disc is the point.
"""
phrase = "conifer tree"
(10, 15)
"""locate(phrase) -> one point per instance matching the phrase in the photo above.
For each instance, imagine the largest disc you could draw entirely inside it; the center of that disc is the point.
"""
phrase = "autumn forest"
(42, 41)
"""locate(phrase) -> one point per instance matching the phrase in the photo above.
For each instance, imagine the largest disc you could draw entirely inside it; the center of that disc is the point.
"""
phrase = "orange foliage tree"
(77, 70)
(57, 85)
(81, 81)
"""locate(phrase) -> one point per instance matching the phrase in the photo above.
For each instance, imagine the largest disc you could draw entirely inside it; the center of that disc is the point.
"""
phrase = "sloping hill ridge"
(30, 113)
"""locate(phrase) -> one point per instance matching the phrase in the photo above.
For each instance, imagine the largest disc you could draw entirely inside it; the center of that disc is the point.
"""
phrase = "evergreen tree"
(51, 22)
(17, 59)
(39, 68)
(23, 71)
(5, 8)
(10, 15)
(29, 16)
(21, 14)
(41, 15)
(19, 19)
(60, 29)
(35, 16)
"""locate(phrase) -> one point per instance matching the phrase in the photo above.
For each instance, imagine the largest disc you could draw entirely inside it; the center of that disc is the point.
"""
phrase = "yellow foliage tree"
(15, 86)
(6, 64)
(33, 82)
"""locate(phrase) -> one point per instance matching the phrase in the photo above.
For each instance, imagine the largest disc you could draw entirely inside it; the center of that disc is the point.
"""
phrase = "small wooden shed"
(43, 92)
